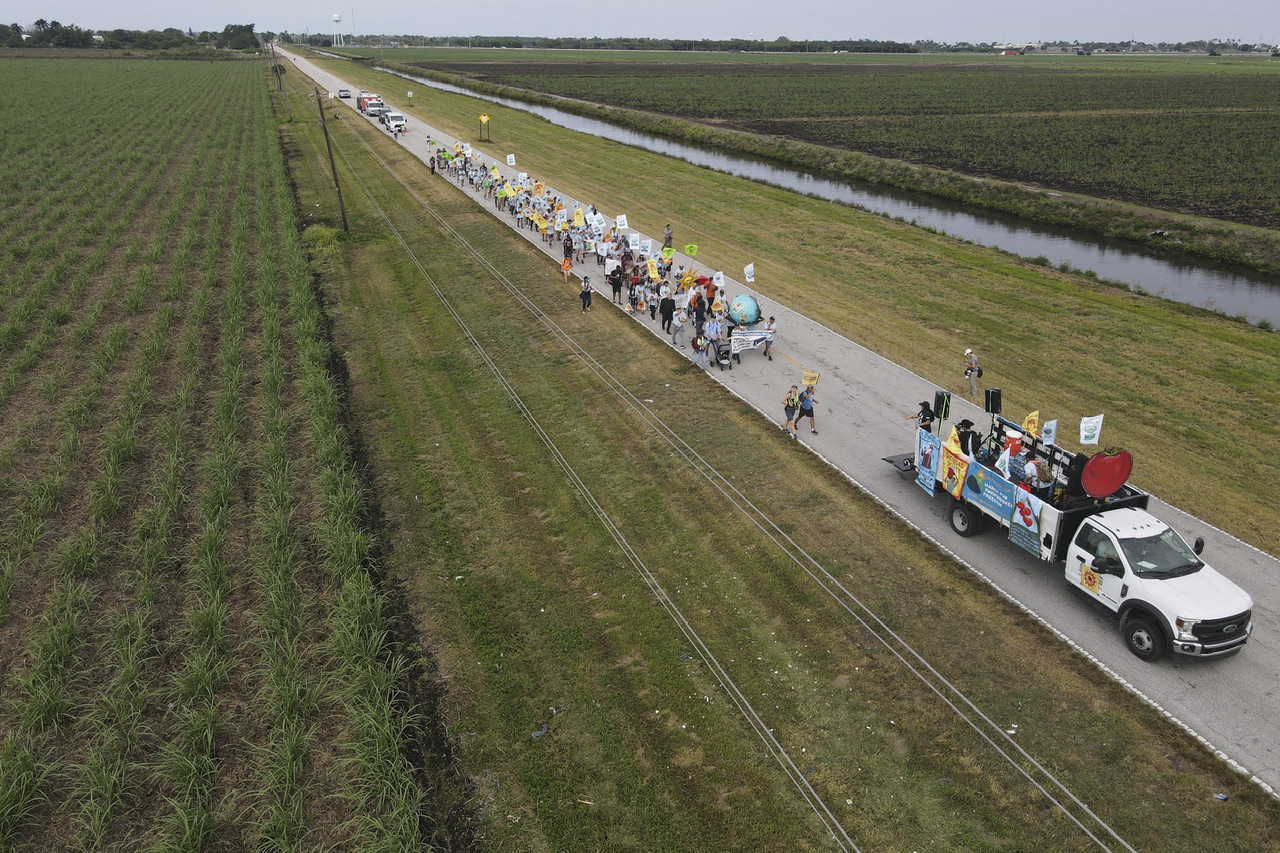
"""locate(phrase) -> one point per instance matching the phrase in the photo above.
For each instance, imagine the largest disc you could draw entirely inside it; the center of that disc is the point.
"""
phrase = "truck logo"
(1230, 629)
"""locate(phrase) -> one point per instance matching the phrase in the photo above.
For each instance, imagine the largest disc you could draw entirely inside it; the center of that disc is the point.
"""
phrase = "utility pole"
(332, 166)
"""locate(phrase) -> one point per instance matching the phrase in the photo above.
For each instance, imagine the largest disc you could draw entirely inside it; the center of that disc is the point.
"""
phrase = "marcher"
(772, 328)
(925, 416)
(677, 329)
(432, 161)
(791, 405)
(806, 408)
(666, 310)
(667, 236)
(585, 296)
(700, 344)
(972, 371)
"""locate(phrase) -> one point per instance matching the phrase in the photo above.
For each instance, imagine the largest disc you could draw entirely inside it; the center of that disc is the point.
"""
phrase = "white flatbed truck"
(1114, 552)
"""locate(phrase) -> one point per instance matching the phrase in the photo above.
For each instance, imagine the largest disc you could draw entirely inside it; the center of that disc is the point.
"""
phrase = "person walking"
(432, 161)
(972, 371)
(806, 408)
(667, 237)
(924, 417)
(700, 344)
(791, 405)
(585, 296)
(677, 329)
(666, 310)
(772, 328)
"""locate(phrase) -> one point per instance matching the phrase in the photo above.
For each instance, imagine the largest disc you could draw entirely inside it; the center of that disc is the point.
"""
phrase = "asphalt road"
(1232, 704)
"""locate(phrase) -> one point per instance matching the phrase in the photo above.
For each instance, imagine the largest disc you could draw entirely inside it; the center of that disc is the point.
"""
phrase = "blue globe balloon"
(744, 310)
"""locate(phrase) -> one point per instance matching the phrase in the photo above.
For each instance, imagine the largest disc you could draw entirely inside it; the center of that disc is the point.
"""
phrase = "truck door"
(1090, 543)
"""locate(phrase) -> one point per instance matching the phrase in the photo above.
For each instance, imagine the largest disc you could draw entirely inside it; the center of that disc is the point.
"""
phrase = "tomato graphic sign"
(1106, 472)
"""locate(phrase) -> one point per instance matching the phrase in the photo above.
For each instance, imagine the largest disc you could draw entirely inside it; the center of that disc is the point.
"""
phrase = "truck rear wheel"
(964, 519)
(1144, 639)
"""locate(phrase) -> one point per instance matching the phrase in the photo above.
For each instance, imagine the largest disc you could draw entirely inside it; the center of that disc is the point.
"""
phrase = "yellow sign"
(1089, 579)
(653, 269)
(810, 378)
(579, 219)
(484, 118)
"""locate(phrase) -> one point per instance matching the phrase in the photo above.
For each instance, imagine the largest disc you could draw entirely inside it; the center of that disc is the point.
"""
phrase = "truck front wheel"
(965, 520)
(1144, 639)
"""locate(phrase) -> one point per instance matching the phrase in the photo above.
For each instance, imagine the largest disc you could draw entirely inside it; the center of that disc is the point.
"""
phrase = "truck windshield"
(1164, 554)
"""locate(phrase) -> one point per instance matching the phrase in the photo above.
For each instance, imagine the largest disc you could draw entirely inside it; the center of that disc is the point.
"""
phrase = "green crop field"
(1192, 135)
(194, 653)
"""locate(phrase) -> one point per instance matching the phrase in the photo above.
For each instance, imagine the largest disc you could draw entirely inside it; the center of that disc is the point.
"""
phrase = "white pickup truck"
(1114, 552)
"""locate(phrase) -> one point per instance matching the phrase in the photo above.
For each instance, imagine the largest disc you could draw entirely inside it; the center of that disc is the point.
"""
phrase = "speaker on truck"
(993, 401)
(941, 405)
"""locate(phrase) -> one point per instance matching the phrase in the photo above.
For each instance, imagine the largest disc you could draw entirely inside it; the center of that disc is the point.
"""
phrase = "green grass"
(539, 624)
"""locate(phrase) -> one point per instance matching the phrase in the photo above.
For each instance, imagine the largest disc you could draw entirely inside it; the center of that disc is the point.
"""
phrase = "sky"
(898, 20)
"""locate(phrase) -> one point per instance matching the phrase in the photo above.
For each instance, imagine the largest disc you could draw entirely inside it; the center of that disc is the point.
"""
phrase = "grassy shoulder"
(1177, 383)
(582, 715)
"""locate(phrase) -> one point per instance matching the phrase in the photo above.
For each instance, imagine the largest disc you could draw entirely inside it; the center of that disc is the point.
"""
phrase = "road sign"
(484, 118)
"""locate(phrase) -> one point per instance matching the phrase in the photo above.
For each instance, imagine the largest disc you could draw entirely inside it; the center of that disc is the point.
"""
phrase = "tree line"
(54, 34)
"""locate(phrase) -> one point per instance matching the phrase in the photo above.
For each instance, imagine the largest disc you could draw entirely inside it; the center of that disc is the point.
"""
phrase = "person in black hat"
(925, 417)
(969, 440)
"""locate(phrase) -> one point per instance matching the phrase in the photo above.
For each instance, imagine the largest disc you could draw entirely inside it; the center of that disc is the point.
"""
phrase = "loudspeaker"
(993, 401)
(941, 405)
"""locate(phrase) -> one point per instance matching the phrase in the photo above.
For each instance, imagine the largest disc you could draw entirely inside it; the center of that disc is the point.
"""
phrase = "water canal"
(1231, 290)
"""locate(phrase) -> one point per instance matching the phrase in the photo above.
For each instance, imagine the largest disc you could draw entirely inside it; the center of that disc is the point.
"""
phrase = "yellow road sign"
(484, 118)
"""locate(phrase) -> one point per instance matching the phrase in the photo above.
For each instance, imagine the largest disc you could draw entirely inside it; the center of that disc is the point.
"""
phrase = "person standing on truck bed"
(969, 442)
(925, 416)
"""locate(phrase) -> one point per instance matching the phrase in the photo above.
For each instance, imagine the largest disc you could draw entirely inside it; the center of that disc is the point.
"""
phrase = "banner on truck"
(928, 451)
(989, 490)
(1024, 525)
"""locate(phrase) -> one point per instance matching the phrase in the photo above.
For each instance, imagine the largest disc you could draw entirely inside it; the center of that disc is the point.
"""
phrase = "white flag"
(1090, 429)
(511, 159)
(621, 221)
(1002, 463)
(750, 272)
(1050, 432)
(718, 280)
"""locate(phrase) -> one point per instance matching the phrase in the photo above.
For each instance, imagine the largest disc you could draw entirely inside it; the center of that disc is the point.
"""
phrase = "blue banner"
(928, 452)
(987, 489)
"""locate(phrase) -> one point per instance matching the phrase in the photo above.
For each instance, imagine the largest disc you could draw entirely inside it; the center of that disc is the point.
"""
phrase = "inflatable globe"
(744, 310)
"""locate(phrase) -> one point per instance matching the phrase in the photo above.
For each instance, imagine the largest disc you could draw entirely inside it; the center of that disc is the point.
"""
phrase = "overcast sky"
(900, 20)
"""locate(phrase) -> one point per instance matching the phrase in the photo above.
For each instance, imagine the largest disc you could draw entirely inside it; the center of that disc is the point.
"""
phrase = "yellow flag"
(538, 188)
(653, 267)
(810, 378)
(579, 219)
(457, 146)
(1031, 425)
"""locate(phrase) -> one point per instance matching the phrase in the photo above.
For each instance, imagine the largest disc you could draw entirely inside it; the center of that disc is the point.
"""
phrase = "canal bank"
(1149, 267)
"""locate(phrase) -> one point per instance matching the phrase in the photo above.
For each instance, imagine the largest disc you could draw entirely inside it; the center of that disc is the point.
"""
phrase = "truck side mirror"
(1106, 565)
(1198, 546)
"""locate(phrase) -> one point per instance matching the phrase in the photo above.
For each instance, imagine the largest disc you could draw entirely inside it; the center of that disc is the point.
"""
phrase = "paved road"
(1232, 704)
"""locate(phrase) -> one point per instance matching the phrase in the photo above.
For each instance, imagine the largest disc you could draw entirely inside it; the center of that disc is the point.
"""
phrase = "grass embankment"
(584, 716)
(196, 653)
(1190, 393)
(1166, 231)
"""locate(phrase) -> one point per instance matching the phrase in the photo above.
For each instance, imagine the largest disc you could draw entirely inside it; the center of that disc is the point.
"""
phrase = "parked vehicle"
(1096, 525)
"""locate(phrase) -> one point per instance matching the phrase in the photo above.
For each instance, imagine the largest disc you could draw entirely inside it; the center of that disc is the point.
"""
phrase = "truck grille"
(1224, 632)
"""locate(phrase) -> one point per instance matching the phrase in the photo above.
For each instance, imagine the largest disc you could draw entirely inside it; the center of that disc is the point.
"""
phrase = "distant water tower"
(337, 36)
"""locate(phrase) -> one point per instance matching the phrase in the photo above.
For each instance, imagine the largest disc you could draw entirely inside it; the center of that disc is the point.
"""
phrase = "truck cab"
(1166, 597)
(393, 120)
